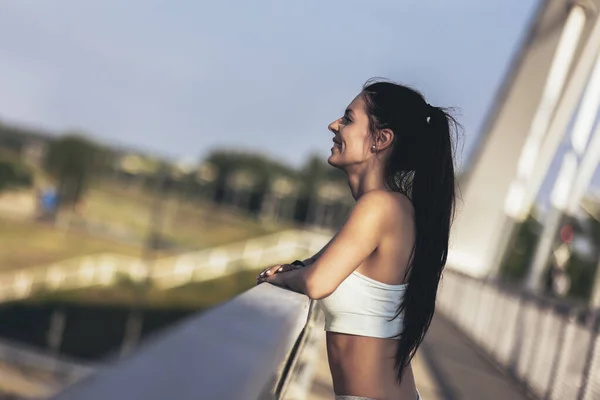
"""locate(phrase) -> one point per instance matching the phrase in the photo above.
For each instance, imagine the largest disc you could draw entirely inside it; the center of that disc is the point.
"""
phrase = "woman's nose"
(334, 126)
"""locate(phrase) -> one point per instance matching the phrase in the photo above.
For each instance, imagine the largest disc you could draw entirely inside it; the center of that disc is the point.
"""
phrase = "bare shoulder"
(389, 205)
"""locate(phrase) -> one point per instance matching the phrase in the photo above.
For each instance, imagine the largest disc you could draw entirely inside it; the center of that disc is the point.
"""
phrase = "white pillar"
(578, 83)
(493, 205)
(520, 196)
(565, 196)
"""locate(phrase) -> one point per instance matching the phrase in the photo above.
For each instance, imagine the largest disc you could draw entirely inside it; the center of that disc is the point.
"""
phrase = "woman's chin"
(333, 160)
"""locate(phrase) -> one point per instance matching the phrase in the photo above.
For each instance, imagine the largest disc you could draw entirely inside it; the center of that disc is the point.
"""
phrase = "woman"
(377, 279)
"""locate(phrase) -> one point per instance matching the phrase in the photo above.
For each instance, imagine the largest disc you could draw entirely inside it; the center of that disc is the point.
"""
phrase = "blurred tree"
(316, 170)
(231, 160)
(314, 175)
(7, 174)
(13, 172)
(204, 178)
(227, 162)
(265, 171)
(581, 267)
(581, 273)
(15, 138)
(72, 160)
(12, 175)
(519, 256)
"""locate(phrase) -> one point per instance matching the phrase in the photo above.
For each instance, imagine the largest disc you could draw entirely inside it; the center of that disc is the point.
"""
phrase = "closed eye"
(347, 118)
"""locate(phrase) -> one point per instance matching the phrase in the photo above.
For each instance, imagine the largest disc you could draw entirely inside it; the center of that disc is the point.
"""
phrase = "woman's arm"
(311, 260)
(293, 280)
(280, 268)
(357, 239)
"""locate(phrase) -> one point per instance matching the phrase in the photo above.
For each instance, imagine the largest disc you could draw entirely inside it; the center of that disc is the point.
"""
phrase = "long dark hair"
(420, 166)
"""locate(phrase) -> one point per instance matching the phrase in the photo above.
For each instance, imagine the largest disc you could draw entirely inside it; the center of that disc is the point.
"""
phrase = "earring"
(373, 148)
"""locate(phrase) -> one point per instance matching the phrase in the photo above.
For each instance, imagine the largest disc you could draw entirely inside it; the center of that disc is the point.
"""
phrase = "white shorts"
(342, 397)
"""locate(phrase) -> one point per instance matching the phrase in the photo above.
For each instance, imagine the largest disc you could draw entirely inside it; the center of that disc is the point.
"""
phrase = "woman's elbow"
(317, 290)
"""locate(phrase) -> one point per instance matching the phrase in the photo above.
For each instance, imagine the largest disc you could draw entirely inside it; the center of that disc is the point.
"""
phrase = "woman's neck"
(361, 182)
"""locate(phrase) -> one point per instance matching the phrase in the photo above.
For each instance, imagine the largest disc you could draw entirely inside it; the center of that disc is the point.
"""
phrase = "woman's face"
(352, 140)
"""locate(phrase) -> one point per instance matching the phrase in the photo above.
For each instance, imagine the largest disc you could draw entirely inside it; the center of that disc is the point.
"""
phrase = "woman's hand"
(275, 269)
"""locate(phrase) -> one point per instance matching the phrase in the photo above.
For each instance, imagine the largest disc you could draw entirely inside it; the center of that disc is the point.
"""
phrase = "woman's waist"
(362, 365)
(345, 350)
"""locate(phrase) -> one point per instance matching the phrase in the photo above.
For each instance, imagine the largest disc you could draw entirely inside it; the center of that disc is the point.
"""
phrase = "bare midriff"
(364, 366)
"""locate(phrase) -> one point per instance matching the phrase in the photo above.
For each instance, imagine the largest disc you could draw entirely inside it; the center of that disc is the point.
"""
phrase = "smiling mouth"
(336, 143)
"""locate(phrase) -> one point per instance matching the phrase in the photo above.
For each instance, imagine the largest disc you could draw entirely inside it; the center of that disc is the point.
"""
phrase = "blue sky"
(180, 78)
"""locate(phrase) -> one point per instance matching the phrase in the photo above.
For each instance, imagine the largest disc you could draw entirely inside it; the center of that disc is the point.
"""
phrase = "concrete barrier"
(243, 349)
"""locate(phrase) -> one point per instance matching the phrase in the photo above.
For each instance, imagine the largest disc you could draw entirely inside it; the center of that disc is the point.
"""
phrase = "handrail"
(235, 351)
(543, 343)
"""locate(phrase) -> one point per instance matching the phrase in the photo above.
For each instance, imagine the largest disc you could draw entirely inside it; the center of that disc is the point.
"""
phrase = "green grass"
(190, 225)
(126, 212)
(193, 296)
(26, 244)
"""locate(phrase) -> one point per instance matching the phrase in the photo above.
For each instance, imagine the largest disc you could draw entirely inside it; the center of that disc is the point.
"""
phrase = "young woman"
(377, 279)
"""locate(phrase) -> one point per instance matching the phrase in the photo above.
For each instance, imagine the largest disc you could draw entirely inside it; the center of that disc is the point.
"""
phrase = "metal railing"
(247, 348)
(550, 347)
(259, 345)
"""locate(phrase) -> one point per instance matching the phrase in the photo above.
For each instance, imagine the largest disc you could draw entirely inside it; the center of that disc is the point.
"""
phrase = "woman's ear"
(384, 139)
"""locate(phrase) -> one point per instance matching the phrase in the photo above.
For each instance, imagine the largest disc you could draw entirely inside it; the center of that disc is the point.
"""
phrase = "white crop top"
(363, 306)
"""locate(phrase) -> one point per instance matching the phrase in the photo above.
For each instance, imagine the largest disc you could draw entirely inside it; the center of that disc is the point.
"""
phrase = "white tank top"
(363, 306)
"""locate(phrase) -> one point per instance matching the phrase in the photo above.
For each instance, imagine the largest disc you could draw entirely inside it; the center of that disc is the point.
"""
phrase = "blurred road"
(447, 367)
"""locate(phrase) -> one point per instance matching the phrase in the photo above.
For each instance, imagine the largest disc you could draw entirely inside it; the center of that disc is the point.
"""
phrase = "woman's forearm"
(301, 281)
(294, 280)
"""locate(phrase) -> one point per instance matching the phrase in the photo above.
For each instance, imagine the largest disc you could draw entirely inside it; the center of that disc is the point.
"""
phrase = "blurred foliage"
(519, 257)
(27, 244)
(14, 173)
(260, 168)
(184, 224)
(581, 268)
(265, 169)
(316, 170)
(16, 138)
(72, 161)
(581, 272)
(228, 161)
(264, 173)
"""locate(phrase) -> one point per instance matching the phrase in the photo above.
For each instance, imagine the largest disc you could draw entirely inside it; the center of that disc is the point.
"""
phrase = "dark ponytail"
(420, 166)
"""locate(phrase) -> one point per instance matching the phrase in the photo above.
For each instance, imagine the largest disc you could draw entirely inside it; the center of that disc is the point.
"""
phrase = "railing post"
(517, 345)
(565, 344)
(56, 330)
(537, 328)
(289, 369)
(591, 325)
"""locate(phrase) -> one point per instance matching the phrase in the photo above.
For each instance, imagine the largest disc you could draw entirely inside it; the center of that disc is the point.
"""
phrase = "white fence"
(261, 338)
(106, 269)
(546, 345)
